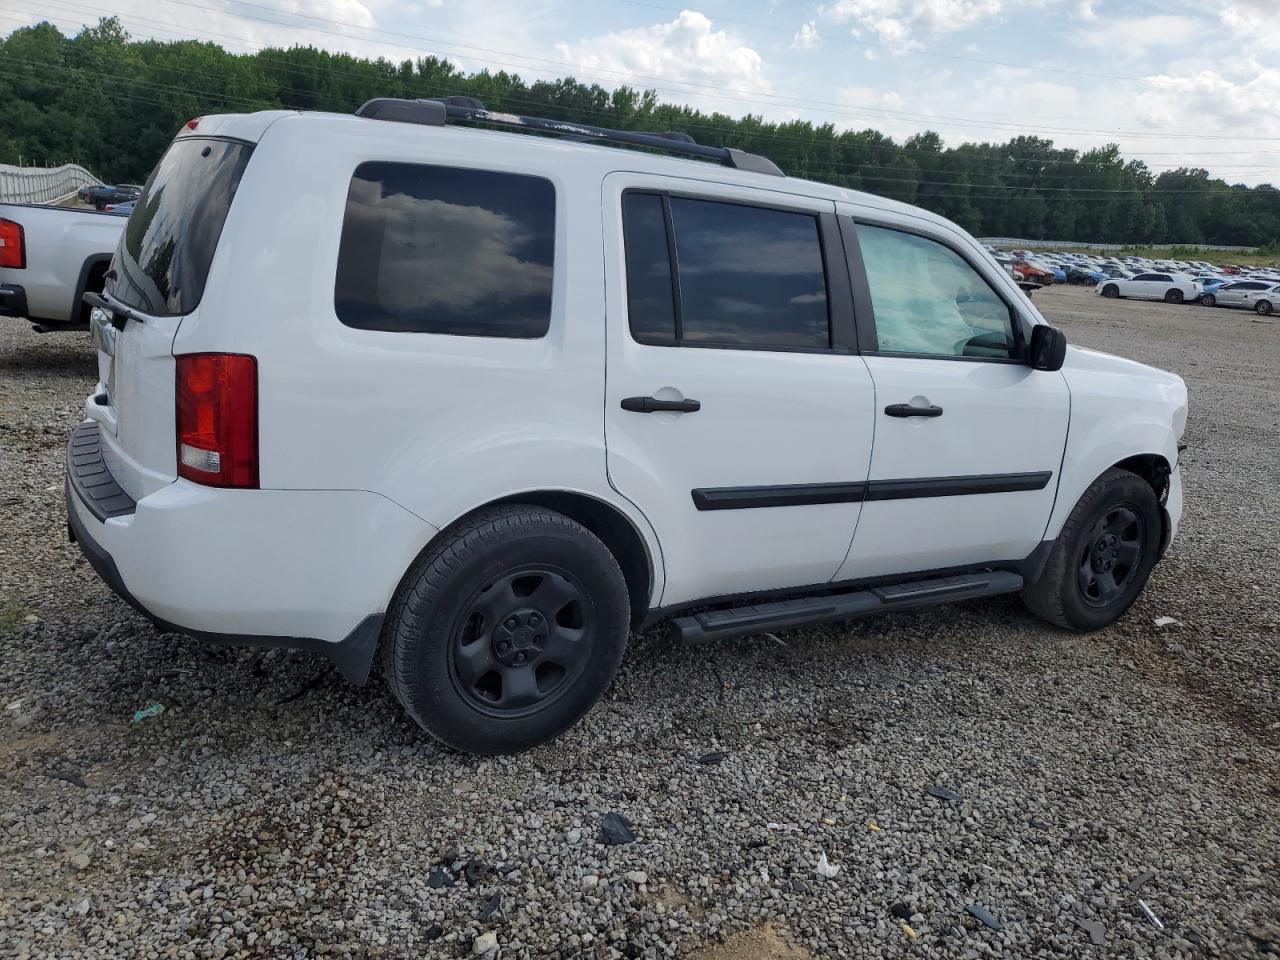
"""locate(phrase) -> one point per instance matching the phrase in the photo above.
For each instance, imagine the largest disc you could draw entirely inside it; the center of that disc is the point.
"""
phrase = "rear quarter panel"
(438, 424)
(59, 242)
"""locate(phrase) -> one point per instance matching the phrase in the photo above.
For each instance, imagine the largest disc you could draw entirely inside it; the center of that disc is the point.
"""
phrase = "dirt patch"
(762, 943)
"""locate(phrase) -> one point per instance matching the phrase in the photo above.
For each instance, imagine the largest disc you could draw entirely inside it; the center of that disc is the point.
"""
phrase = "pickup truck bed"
(66, 252)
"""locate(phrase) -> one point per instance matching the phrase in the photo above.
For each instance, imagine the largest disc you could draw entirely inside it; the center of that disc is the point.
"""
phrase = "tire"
(1117, 516)
(507, 631)
(1208, 300)
(1173, 296)
(1263, 308)
(1111, 292)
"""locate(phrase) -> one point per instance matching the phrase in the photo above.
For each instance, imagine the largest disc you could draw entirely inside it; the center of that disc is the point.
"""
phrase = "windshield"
(162, 262)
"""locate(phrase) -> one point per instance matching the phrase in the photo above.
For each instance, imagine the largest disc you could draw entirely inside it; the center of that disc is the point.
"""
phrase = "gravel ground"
(273, 810)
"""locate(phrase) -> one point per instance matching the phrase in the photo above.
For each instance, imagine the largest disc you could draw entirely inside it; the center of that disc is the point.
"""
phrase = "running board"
(762, 617)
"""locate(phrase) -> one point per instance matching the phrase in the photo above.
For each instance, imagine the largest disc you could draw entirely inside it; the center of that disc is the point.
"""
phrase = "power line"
(860, 169)
(772, 134)
(755, 96)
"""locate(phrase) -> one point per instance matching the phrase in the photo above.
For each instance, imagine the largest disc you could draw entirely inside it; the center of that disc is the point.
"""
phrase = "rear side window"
(162, 262)
(734, 275)
(430, 249)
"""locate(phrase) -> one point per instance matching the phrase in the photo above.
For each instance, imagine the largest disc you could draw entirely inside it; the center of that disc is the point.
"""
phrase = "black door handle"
(907, 410)
(654, 405)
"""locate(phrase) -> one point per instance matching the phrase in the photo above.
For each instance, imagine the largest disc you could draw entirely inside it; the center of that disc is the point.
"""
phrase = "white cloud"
(686, 50)
(1132, 38)
(896, 22)
(806, 37)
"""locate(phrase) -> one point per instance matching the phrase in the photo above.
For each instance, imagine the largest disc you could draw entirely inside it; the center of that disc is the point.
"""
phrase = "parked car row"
(1141, 278)
(104, 196)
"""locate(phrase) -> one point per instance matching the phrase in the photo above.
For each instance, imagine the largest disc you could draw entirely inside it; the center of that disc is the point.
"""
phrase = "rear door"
(968, 438)
(738, 416)
(159, 269)
(1233, 294)
(1140, 286)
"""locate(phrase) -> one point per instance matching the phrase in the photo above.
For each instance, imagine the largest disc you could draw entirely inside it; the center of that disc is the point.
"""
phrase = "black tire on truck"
(506, 630)
(1103, 556)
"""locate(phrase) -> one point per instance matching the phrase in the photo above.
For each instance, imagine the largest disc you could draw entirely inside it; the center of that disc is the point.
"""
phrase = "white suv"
(488, 400)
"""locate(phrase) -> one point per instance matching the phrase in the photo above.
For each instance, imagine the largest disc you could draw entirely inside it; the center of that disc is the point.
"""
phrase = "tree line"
(112, 103)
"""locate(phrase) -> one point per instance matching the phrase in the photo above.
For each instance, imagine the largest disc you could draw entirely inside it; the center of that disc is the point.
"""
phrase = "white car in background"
(1169, 287)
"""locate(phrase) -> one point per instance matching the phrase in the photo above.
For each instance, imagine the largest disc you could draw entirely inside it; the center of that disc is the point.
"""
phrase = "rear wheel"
(1173, 296)
(1103, 557)
(1263, 308)
(1111, 291)
(507, 631)
(1208, 300)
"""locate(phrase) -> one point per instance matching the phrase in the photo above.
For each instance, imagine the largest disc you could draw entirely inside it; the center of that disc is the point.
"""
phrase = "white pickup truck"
(49, 258)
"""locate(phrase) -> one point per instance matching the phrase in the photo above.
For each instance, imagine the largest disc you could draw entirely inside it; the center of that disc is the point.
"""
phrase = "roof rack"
(436, 113)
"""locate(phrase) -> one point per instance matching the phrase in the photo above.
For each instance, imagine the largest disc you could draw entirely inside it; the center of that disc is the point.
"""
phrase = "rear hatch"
(159, 273)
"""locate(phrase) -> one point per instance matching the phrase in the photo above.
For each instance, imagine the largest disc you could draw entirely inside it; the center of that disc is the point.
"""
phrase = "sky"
(1174, 83)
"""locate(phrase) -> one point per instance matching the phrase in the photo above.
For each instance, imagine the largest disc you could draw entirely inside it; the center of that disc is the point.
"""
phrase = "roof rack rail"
(436, 113)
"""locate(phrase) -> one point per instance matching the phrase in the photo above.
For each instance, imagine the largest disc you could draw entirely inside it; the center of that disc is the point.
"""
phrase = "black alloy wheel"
(1102, 557)
(1111, 291)
(1112, 555)
(507, 629)
(523, 640)
(1263, 308)
(1173, 296)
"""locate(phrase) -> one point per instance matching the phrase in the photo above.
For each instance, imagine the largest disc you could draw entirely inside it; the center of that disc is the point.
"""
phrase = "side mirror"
(1048, 348)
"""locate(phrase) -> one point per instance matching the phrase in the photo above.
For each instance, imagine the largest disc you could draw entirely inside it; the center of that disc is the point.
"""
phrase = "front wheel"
(1208, 300)
(1111, 291)
(1173, 296)
(1263, 308)
(506, 631)
(1103, 557)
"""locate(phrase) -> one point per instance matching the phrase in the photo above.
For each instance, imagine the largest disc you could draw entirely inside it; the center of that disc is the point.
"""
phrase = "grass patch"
(11, 614)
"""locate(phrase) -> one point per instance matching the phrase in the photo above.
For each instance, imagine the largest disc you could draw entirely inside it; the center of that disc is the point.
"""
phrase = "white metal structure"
(1170, 287)
(452, 390)
(42, 184)
(49, 257)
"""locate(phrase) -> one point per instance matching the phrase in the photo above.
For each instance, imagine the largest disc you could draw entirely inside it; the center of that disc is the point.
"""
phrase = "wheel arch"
(614, 528)
(92, 271)
(620, 534)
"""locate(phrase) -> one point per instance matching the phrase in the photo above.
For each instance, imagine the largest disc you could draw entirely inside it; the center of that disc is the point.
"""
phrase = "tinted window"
(749, 276)
(429, 249)
(1254, 286)
(650, 298)
(1163, 278)
(162, 261)
(929, 300)
(1145, 276)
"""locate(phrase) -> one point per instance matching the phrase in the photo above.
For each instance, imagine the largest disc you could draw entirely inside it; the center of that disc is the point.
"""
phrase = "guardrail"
(1023, 244)
(42, 184)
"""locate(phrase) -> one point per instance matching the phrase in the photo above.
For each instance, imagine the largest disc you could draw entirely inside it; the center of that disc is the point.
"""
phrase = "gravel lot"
(273, 810)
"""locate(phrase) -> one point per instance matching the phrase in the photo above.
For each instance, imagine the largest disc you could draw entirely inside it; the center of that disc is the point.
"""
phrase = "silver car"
(1259, 295)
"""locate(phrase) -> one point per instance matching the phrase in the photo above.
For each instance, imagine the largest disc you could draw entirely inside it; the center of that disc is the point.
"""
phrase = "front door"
(731, 420)
(968, 439)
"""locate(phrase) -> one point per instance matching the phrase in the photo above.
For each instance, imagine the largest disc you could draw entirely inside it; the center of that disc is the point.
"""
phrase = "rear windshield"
(163, 259)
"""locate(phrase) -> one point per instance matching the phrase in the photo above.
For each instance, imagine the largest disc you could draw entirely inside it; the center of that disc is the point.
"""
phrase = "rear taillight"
(13, 246)
(217, 416)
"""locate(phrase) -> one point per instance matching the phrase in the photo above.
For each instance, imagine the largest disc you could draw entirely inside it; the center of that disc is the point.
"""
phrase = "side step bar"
(760, 617)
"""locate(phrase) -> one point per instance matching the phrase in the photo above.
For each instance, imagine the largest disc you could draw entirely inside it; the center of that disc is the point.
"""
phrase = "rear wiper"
(120, 312)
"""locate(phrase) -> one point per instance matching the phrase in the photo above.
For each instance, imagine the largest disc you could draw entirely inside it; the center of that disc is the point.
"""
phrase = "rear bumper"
(302, 569)
(13, 300)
